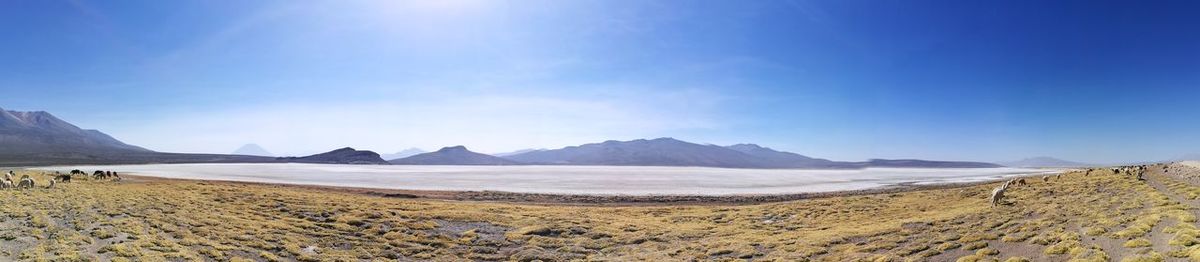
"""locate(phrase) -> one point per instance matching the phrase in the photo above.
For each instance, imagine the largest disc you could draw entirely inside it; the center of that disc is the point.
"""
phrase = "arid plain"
(1102, 216)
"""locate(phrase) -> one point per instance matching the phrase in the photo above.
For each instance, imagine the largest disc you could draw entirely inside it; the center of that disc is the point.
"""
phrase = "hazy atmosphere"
(599, 130)
(924, 79)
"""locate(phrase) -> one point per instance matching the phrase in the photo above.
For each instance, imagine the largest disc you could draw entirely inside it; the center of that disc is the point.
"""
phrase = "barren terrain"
(1102, 216)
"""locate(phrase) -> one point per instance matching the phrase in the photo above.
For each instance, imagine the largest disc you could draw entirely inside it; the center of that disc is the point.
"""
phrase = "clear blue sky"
(1093, 81)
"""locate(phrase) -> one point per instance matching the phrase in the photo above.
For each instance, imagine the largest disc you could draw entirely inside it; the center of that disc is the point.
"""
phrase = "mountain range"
(642, 152)
(673, 152)
(787, 159)
(39, 138)
(1044, 161)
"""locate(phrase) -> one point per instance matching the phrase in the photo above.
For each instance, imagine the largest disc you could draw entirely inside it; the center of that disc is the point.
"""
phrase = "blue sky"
(1094, 81)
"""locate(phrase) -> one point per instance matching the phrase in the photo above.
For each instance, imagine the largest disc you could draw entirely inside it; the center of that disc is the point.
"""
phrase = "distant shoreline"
(582, 183)
(582, 199)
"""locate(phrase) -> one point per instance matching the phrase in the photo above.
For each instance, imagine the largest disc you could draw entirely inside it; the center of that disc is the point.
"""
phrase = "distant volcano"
(252, 150)
(404, 153)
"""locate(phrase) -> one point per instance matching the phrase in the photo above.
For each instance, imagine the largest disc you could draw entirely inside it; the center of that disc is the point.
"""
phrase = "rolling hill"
(340, 156)
(454, 155)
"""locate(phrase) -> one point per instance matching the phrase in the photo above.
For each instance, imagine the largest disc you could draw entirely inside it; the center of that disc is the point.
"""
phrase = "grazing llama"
(998, 193)
(26, 182)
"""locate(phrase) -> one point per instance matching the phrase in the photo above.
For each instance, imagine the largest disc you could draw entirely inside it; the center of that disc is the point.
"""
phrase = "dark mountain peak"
(452, 155)
(346, 155)
(26, 114)
(458, 148)
(41, 120)
(344, 149)
(30, 115)
(748, 147)
(38, 113)
(39, 132)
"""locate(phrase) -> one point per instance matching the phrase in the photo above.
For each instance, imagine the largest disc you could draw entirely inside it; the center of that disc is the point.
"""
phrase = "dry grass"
(1100, 217)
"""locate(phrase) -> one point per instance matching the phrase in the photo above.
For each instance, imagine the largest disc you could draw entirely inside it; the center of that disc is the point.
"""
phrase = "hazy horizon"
(1093, 82)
